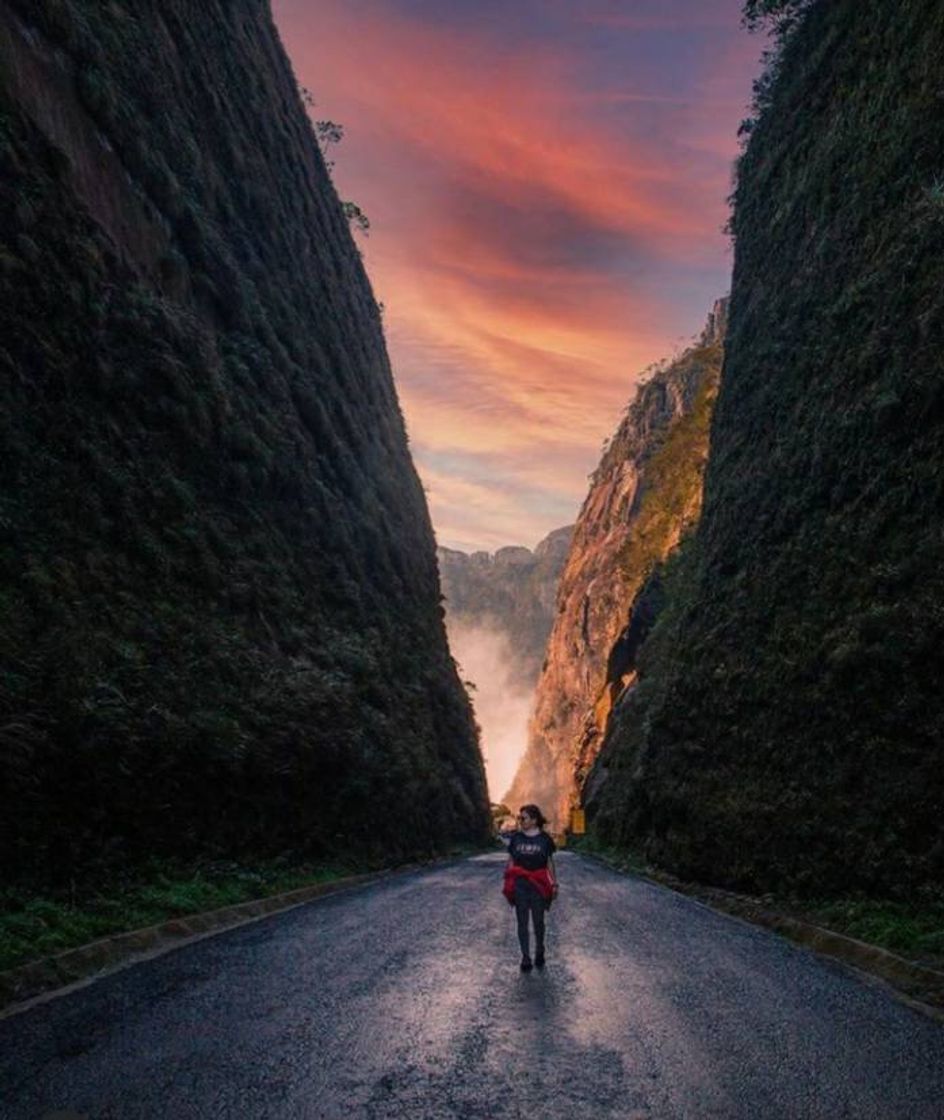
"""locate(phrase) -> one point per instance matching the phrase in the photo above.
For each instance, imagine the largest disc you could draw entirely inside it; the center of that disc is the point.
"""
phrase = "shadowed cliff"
(643, 496)
(788, 727)
(219, 617)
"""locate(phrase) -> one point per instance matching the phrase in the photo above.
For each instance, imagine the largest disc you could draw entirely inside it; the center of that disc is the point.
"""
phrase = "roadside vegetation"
(34, 925)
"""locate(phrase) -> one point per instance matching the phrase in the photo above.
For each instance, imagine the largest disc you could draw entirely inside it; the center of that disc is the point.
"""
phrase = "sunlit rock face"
(643, 496)
(499, 612)
(219, 604)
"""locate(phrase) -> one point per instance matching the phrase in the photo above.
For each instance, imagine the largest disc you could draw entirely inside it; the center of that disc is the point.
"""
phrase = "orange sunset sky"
(546, 185)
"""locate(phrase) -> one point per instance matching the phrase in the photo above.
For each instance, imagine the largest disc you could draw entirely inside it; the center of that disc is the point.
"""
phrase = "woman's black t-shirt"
(531, 852)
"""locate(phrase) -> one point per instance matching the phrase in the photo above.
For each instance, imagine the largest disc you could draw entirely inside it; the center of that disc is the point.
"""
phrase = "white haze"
(501, 707)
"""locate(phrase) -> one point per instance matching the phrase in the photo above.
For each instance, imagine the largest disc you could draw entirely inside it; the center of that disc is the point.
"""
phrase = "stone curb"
(43, 977)
(921, 987)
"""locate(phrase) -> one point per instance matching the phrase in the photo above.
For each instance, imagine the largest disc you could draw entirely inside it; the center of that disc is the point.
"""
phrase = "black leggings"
(528, 900)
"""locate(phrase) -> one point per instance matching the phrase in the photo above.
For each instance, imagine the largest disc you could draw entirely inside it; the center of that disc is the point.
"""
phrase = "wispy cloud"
(546, 183)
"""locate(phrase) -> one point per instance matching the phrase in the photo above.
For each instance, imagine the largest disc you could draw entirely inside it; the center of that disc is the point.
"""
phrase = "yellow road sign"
(578, 822)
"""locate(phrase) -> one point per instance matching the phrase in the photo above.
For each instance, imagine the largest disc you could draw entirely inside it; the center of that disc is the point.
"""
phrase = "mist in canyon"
(502, 702)
(499, 610)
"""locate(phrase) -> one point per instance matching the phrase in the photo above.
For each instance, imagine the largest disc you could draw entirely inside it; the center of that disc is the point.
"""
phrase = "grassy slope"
(33, 926)
(219, 608)
(789, 732)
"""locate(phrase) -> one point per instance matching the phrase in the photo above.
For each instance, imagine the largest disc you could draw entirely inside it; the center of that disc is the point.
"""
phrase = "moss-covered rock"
(219, 616)
(788, 729)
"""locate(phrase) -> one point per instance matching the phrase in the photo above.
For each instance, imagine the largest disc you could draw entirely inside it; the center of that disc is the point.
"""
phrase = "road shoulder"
(28, 984)
(915, 984)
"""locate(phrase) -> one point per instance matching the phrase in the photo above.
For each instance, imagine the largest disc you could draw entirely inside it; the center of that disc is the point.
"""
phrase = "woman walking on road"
(530, 880)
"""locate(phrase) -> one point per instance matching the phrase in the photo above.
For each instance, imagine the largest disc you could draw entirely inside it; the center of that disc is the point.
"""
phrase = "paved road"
(403, 999)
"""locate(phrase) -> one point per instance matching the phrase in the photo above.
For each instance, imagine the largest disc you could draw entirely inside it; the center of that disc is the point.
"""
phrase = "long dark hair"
(535, 813)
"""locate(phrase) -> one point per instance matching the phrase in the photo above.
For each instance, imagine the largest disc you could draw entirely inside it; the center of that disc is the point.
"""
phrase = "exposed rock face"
(643, 496)
(788, 728)
(499, 612)
(219, 616)
(512, 591)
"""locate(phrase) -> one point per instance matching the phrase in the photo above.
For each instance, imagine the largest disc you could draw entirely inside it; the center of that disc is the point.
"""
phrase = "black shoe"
(526, 964)
(539, 960)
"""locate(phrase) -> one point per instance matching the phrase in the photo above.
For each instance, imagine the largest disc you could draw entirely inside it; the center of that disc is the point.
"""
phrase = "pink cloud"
(538, 236)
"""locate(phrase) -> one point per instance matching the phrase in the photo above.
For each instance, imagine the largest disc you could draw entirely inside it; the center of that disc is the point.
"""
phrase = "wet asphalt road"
(403, 999)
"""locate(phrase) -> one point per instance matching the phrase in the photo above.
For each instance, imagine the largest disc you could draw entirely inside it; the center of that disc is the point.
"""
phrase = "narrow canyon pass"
(499, 612)
(219, 615)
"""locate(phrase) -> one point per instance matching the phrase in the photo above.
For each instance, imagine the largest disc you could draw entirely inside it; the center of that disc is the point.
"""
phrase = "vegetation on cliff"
(219, 617)
(787, 730)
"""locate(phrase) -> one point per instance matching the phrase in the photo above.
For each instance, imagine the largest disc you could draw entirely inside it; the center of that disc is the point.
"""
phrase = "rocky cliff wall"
(644, 495)
(787, 732)
(219, 617)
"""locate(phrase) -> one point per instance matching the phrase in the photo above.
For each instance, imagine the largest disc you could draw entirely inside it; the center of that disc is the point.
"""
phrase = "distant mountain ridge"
(512, 591)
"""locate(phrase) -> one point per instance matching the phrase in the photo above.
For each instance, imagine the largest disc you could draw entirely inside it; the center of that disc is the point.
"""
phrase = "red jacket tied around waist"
(540, 879)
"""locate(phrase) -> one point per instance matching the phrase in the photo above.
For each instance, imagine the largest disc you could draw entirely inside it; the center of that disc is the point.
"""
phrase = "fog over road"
(403, 998)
